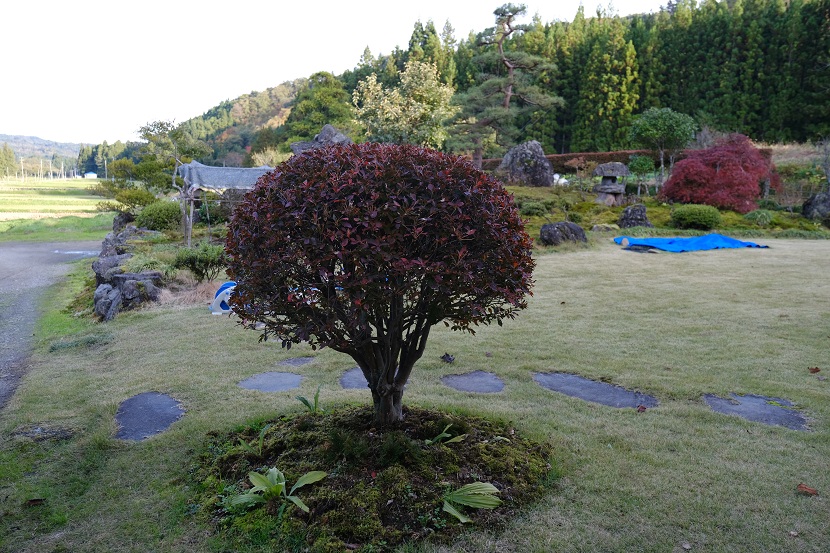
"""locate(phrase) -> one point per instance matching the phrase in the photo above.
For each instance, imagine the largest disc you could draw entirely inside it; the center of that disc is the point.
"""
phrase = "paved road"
(26, 271)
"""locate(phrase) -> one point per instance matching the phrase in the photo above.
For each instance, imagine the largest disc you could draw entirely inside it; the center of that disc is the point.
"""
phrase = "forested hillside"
(757, 67)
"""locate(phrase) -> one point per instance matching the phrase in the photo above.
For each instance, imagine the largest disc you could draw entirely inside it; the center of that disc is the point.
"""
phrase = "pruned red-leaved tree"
(728, 175)
(363, 248)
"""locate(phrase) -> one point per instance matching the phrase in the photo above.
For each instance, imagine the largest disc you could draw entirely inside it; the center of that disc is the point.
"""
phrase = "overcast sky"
(86, 71)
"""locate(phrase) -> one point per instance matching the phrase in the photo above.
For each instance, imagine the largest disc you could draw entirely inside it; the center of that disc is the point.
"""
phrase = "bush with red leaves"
(363, 248)
(728, 175)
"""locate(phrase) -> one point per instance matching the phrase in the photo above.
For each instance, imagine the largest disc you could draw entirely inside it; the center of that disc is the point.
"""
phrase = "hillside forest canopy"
(760, 68)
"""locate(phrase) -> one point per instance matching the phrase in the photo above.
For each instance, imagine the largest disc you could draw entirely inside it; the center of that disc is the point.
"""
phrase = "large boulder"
(817, 207)
(634, 216)
(327, 136)
(554, 234)
(527, 165)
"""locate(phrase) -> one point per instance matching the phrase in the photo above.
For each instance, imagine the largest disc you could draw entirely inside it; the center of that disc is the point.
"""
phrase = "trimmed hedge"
(693, 216)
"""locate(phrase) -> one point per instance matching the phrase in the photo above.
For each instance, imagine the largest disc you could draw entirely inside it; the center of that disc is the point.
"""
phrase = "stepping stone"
(767, 410)
(272, 382)
(481, 382)
(145, 415)
(591, 390)
(353, 379)
(296, 361)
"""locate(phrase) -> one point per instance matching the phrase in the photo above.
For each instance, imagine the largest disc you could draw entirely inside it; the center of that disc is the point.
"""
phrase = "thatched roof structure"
(218, 179)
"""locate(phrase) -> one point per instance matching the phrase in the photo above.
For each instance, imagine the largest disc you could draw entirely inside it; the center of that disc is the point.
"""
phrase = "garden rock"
(634, 216)
(817, 206)
(121, 220)
(598, 392)
(327, 137)
(117, 290)
(526, 164)
(554, 234)
(145, 415)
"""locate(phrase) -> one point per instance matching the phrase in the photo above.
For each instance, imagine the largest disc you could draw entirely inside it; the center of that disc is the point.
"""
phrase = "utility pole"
(22, 171)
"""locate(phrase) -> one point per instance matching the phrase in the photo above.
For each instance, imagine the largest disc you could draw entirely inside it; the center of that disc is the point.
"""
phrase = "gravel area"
(26, 271)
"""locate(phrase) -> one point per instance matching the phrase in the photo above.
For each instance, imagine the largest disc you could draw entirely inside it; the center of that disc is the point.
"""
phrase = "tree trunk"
(388, 407)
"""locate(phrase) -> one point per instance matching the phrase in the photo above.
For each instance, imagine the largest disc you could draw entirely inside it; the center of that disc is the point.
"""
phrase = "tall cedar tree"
(505, 88)
(363, 248)
(730, 175)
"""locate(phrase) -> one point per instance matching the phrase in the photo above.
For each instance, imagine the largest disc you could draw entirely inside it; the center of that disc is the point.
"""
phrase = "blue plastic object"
(692, 244)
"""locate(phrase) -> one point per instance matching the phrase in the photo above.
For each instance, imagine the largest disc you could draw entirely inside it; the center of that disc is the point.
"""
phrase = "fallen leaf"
(447, 358)
(814, 370)
(488, 354)
(806, 490)
(687, 546)
(641, 408)
(35, 502)
(793, 534)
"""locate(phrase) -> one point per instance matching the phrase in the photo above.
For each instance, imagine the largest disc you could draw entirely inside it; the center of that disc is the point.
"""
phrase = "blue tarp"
(693, 244)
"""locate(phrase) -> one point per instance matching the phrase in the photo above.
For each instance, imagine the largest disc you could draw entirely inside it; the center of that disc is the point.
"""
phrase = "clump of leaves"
(313, 408)
(271, 487)
(479, 495)
(440, 438)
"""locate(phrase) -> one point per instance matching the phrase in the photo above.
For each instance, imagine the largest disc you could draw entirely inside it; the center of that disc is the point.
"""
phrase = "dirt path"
(26, 271)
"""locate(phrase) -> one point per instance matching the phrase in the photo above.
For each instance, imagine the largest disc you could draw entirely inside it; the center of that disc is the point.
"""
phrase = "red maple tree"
(728, 175)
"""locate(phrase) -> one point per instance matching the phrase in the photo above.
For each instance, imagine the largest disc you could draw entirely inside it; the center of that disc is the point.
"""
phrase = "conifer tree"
(505, 88)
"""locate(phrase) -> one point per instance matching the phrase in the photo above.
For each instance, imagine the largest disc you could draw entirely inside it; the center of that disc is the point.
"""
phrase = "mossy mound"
(383, 488)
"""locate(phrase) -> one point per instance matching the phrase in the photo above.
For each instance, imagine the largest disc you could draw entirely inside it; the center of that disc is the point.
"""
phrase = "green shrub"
(205, 261)
(133, 199)
(533, 209)
(761, 217)
(161, 215)
(693, 216)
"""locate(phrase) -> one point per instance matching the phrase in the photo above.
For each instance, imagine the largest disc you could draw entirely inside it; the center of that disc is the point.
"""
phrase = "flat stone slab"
(481, 382)
(272, 382)
(145, 415)
(296, 361)
(767, 410)
(353, 379)
(590, 390)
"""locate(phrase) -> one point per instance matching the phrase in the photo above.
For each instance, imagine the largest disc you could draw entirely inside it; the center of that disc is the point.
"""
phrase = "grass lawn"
(677, 477)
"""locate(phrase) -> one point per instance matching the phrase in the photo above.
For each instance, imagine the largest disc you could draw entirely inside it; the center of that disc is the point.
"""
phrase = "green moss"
(389, 493)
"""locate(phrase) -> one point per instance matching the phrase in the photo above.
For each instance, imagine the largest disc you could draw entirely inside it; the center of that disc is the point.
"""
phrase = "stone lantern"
(609, 191)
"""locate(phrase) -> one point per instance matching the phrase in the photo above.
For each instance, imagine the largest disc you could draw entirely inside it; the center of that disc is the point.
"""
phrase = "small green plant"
(479, 495)
(161, 215)
(694, 216)
(313, 408)
(249, 447)
(205, 261)
(533, 209)
(440, 438)
(761, 217)
(272, 487)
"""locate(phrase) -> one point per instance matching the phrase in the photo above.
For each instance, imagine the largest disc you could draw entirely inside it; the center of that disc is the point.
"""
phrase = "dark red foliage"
(728, 175)
(362, 248)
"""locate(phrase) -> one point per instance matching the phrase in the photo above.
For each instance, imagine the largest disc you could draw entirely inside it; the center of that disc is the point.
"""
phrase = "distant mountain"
(230, 127)
(34, 147)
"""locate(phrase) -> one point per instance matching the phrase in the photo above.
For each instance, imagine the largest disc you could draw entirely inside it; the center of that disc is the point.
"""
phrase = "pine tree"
(504, 91)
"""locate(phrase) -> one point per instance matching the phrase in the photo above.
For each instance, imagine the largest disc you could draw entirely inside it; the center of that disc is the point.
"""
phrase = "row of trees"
(758, 67)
